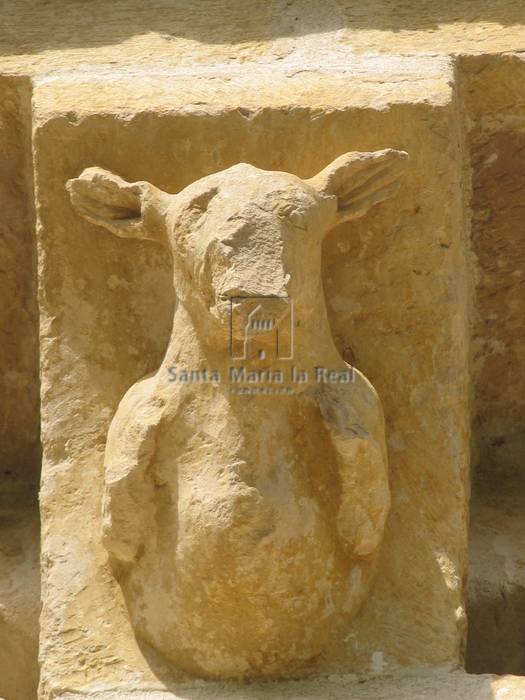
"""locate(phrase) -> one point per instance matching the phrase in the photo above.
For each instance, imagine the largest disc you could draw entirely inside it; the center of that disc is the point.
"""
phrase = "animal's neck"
(191, 347)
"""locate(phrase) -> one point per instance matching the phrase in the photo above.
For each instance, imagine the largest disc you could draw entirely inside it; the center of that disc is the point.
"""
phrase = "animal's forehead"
(243, 182)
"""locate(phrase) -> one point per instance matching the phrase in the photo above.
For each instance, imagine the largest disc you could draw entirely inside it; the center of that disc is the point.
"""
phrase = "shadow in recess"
(29, 28)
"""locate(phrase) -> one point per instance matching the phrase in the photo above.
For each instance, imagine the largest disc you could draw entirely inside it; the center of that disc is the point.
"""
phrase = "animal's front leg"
(129, 482)
(353, 415)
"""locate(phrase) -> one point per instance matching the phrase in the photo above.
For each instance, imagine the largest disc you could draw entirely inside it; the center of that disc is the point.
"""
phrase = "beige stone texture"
(244, 527)
(19, 402)
(174, 91)
(420, 684)
(105, 313)
(134, 34)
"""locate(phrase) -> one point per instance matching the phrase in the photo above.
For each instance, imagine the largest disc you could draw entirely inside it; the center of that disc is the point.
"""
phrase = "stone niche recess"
(492, 89)
(19, 401)
(397, 299)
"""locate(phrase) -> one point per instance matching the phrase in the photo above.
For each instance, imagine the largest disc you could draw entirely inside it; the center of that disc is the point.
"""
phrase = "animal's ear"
(360, 180)
(127, 209)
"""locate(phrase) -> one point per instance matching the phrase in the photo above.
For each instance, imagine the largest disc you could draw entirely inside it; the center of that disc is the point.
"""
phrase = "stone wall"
(19, 404)
(492, 88)
(19, 409)
(395, 290)
(432, 313)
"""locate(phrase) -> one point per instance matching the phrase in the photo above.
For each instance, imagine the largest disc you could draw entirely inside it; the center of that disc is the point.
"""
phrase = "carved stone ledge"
(409, 685)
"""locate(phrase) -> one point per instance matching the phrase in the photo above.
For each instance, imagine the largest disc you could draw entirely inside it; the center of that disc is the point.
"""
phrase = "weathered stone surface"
(496, 589)
(415, 685)
(492, 88)
(19, 599)
(234, 83)
(117, 289)
(19, 405)
(497, 145)
(243, 509)
(19, 401)
(172, 33)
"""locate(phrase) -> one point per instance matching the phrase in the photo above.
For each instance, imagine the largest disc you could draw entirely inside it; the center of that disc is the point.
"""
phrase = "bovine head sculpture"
(242, 231)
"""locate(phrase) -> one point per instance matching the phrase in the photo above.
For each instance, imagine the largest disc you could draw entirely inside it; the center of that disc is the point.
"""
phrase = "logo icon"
(261, 326)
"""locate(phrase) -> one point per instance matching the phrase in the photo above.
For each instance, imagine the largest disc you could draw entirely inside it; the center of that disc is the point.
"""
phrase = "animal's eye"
(297, 216)
(201, 201)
